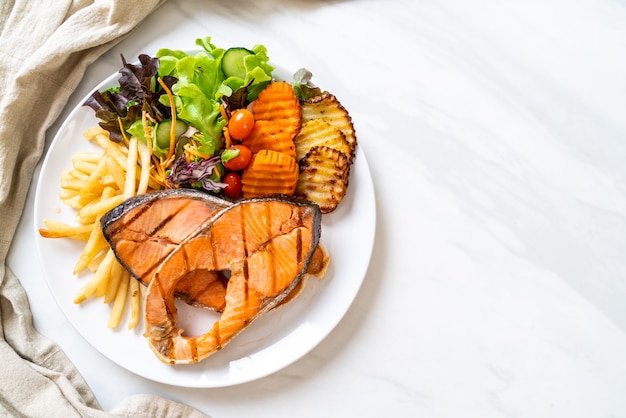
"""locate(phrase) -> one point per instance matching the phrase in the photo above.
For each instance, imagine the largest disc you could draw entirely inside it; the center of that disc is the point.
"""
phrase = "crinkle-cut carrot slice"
(277, 119)
(270, 172)
(277, 101)
(271, 135)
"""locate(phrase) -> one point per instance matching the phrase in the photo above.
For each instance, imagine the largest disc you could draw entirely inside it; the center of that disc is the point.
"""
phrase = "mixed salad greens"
(179, 104)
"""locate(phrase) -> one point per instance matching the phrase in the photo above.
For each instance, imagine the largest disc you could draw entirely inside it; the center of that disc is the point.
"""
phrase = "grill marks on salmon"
(265, 244)
(145, 229)
(240, 259)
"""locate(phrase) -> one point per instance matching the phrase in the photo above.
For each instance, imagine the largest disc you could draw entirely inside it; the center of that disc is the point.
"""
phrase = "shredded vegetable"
(203, 171)
(178, 104)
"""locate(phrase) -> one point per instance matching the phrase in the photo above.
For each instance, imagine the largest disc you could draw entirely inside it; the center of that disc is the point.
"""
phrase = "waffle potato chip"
(318, 132)
(323, 177)
(328, 108)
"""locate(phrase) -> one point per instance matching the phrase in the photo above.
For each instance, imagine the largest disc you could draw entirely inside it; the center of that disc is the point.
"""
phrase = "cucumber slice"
(163, 132)
(232, 62)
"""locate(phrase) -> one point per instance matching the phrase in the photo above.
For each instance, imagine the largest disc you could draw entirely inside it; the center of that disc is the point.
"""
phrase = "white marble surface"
(496, 136)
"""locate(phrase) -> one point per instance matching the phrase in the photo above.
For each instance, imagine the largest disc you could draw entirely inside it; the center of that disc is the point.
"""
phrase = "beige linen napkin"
(45, 48)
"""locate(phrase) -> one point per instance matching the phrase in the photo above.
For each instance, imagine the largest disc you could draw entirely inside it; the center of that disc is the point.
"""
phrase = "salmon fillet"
(241, 259)
(145, 229)
(265, 245)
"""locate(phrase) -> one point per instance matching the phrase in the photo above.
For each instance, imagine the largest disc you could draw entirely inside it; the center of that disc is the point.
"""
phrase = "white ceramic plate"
(271, 343)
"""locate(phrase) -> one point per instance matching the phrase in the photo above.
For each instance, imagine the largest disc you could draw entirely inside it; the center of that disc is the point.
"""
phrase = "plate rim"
(42, 182)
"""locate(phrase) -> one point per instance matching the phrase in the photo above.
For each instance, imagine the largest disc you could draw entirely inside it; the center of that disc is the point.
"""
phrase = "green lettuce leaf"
(302, 85)
(202, 84)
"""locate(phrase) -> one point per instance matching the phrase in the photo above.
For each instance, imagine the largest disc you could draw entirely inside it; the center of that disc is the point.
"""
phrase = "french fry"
(68, 194)
(116, 171)
(120, 301)
(80, 296)
(72, 183)
(93, 183)
(96, 242)
(144, 177)
(73, 175)
(84, 200)
(117, 271)
(73, 202)
(111, 148)
(89, 157)
(93, 132)
(95, 262)
(101, 280)
(81, 237)
(58, 229)
(94, 245)
(135, 303)
(84, 167)
(131, 170)
(88, 213)
(98, 281)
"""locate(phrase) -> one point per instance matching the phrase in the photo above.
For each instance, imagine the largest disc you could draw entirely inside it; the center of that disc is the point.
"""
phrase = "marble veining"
(495, 135)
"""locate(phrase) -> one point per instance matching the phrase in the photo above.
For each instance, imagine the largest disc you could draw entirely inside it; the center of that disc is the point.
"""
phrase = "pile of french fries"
(96, 183)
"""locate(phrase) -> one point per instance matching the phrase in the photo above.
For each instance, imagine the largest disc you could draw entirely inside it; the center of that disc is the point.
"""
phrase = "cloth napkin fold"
(44, 51)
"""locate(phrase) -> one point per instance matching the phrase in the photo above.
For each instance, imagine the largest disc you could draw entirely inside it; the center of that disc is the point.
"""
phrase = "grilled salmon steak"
(145, 229)
(257, 250)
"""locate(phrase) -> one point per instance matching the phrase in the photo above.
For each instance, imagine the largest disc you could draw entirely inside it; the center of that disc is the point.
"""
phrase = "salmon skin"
(244, 258)
(145, 229)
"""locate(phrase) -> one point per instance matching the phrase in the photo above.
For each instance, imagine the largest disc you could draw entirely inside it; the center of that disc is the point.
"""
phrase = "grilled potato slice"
(323, 178)
(318, 132)
(328, 108)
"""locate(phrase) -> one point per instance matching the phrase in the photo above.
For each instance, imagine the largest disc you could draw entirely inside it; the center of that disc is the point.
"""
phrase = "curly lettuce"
(202, 84)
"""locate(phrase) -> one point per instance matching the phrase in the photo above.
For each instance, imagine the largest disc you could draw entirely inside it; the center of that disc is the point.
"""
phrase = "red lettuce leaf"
(138, 91)
(200, 174)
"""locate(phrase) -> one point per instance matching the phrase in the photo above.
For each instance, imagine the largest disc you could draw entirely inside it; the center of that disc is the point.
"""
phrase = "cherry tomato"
(232, 190)
(240, 123)
(239, 162)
